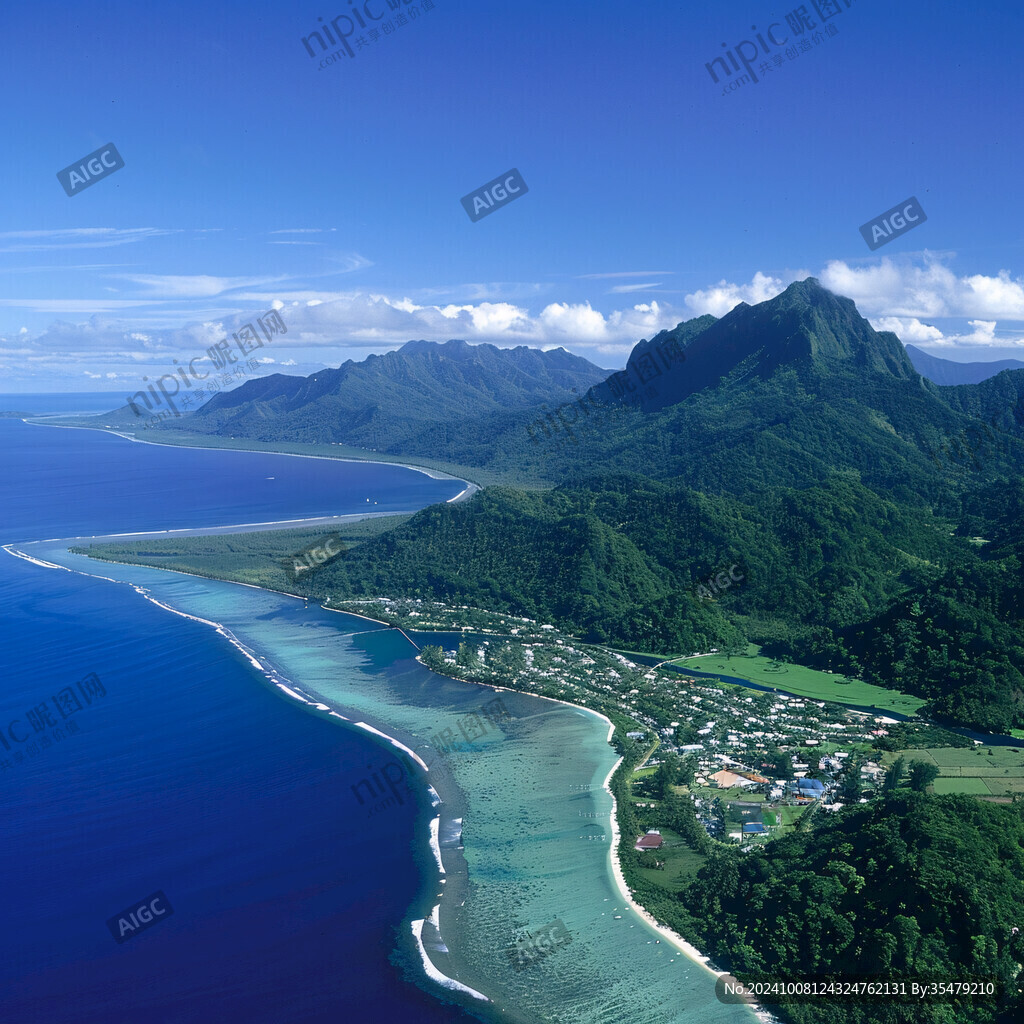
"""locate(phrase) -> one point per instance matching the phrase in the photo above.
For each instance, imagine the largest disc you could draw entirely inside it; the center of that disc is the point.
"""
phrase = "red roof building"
(651, 841)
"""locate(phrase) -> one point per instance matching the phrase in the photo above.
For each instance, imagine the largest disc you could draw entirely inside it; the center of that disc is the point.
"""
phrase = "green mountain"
(792, 437)
(805, 327)
(878, 524)
(778, 394)
(946, 371)
(384, 400)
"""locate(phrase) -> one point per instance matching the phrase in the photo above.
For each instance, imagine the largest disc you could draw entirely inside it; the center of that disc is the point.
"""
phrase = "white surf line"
(272, 676)
(395, 743)
(267, 672)
(11, 550)
(434, 974)
(435, 842)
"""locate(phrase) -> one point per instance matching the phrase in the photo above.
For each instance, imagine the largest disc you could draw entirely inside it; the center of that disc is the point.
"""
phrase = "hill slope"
(945, 371)
(778, 394)
(382, 401)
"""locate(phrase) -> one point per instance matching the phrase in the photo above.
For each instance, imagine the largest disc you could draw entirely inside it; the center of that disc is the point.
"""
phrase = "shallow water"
(197, 775)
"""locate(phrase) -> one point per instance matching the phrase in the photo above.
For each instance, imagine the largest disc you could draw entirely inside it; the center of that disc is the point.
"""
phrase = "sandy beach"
(684, 947)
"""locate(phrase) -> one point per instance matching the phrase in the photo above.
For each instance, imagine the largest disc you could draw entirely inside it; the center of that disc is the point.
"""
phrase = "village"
(753, 762)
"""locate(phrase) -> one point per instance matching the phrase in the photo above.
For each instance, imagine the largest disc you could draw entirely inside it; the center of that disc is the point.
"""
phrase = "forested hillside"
(834, 577)
(385, 400)
(910, 886)
(878, 520)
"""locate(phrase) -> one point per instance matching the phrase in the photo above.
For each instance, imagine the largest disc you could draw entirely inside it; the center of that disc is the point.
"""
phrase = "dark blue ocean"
(184, 775)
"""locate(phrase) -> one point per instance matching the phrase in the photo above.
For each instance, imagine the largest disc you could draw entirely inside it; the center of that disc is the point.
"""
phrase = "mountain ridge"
(949, 372)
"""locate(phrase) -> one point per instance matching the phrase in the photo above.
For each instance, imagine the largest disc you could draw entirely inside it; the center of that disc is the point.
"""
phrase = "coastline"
(440, 787)
(674, 938)
(435, 474)
(457, 872)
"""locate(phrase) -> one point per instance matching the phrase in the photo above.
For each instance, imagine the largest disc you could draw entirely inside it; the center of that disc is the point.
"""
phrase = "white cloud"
(175, 286)
(912, 331)
(324, 325)
(909, 330)
(76, 238)
(723, 297)
(932, 290)
(620, 289)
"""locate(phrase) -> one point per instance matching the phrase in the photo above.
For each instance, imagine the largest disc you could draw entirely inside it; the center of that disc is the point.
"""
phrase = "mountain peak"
(805, 327)
(452, 347)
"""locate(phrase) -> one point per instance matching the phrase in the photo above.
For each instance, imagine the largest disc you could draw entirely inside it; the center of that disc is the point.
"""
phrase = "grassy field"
(725, 795)
(981, 771)
(975, 787)
(253, 557)
(681, 863)
(787, 817)
(805, 682)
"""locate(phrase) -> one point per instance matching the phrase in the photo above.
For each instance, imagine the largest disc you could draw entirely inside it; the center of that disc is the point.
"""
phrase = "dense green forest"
(836, 577)
(909, 886)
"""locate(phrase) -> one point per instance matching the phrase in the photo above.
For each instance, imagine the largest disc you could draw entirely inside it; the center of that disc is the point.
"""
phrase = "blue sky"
(255, 178)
